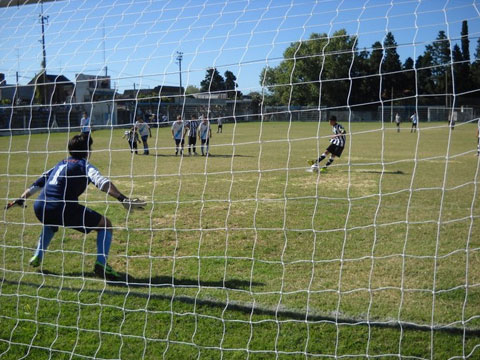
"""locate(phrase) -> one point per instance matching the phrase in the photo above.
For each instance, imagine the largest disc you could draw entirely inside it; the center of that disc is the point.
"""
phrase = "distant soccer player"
(414, 120)
(178, 132)
(478, 138)
(85, 126)
(205, 134)
(192, 135)
(57, 205)
(132, 138)
(397, 121)
(143, 130)
(337, 144)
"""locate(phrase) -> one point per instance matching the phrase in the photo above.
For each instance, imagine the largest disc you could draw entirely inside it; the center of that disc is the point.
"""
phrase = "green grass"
(236, 251)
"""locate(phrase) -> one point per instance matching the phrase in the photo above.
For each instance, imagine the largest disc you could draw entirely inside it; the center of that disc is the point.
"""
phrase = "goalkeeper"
(57, 205)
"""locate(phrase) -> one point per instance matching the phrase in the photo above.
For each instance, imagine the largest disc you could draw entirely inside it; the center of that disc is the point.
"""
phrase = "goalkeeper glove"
(18, 202)
(130, 204)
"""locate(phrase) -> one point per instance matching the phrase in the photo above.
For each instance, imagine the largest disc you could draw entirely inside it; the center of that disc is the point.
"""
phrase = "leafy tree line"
(331, 71)
(216, 83)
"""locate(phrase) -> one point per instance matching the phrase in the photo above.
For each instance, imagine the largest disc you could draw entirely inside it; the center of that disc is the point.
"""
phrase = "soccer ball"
(314, 168)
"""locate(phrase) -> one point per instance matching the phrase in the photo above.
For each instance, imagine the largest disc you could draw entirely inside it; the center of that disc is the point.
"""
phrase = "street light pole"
(44, 19)
(179, 59)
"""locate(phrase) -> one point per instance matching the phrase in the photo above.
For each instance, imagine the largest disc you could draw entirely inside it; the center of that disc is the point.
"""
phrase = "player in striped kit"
(337, 144)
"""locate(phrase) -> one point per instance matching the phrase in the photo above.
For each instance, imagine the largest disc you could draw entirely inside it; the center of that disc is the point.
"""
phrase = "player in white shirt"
(204, 134)
(144, 131)
(414, 119)
(179, 131)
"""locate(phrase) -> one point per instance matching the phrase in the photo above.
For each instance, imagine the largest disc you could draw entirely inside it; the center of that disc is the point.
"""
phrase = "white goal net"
(296, 179)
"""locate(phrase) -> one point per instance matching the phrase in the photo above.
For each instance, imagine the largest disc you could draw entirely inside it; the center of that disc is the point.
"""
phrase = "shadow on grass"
(364, 171)
(163, 281)
(209, 156)
(246, 308)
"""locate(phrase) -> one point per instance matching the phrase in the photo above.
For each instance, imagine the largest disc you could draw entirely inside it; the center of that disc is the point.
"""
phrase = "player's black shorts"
(179, 141)
(71, 215)
(335, 150)
(192, 140)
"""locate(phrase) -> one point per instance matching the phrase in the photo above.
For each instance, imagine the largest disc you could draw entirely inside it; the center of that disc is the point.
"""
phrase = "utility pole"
(179, 60)
(44, 19)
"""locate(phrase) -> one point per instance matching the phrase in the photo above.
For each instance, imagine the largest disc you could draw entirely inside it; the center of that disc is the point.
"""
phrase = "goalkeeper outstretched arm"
(128, 203)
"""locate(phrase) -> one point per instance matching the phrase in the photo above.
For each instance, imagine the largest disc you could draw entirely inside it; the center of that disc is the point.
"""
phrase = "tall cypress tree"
(465, 41)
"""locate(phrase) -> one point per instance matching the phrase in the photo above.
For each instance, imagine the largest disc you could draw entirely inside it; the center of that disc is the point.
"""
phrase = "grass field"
(244, 254)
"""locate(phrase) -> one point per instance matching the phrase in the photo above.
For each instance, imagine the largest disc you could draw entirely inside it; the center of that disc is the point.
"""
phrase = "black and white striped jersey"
(338, 140)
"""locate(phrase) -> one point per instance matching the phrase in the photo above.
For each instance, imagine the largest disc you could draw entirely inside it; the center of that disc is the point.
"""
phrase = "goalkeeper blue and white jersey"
(338, 140)
(68, 180)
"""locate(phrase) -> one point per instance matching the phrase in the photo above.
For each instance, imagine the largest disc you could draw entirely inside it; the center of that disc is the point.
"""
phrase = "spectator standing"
(219, 125)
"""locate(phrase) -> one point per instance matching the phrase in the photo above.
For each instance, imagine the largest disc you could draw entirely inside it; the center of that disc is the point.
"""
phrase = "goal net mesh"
(244, 250)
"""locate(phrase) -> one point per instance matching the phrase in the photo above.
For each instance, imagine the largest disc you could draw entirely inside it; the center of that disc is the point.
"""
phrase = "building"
(51, 89)
(94, 95)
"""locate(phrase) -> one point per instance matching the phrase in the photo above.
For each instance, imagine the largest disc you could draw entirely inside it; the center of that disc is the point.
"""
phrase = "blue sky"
(139, 40)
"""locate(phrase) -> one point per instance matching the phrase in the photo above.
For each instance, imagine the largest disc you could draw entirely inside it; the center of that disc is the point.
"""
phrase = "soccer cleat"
(323, 170)
(35, 261)
(311, 162)
(106, 272)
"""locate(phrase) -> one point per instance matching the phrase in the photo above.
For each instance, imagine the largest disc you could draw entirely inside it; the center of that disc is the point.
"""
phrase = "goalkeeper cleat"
(323, 170)
(106, 272)
(311, 162)
(35, 261)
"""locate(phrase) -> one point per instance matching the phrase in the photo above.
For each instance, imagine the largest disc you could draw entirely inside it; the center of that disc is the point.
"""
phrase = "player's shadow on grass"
(209, 156)
(246, 308)
(167, 281)
(162, 281)
(365, 171)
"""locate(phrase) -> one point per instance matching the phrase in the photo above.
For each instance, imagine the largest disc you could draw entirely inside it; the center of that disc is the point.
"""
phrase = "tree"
(213, 81)
(191, 90)
(391, 65)
(408, 85)
(475, 68)
(375, 61)
(465, 41)
(313, 72)
(231, 85)
(424, 83)
(464, 71)
(461, 71)
(440, 53)
(360, 92)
